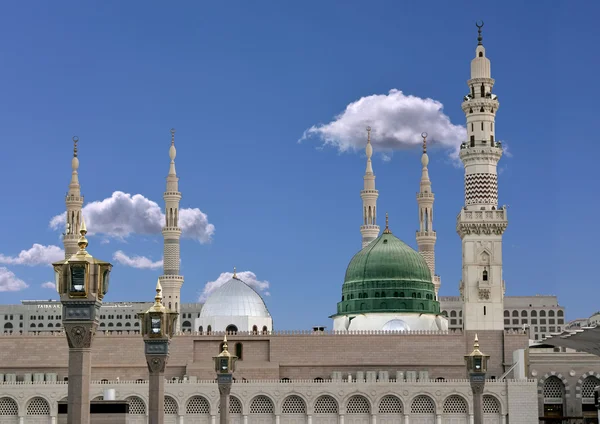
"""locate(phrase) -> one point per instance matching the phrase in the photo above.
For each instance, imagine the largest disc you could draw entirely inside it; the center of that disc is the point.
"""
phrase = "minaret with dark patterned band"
(481, 222)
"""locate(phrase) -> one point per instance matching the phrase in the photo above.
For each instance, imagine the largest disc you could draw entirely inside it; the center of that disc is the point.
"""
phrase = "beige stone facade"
(289, 377)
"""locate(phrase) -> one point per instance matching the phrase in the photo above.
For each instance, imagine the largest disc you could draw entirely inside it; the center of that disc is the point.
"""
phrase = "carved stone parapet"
(484, 294)
(481, 228)
(80, 334)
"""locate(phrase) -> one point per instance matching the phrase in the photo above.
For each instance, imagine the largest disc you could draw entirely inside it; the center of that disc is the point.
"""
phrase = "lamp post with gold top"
(81, 282)
(477, 363)
(224, 366)
(158, 326)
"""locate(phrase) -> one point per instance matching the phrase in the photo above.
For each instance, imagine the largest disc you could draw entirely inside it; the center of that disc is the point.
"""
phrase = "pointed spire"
(172, 153)
(225, 342)
(234, 273)
(369, 152)
(479, 37)
(387, 225)
(74, 186)
(425, 183)
(82, 242)
(158, 297)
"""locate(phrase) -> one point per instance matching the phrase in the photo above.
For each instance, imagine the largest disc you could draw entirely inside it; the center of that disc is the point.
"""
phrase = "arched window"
(418, 295)
(231, 329)
(560, 313)
(401, 294)
(200, 330)
(209, 330)
(542, 313)
(365, 296)
(265, 329)
(485, 275)
(254, 329)
(453, 314)
(515, 314)
(395, 294)
(239, 350)
(376, 294)
(524, 313)
(550, 313)
(534, 313)
(414, 295)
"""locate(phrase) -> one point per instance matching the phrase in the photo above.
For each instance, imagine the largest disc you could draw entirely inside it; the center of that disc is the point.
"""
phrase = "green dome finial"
(387, 224)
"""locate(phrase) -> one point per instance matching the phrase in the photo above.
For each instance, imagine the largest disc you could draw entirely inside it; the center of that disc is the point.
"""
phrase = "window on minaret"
(481, 125)
(472, 141)
(472, 129)
(472, 91)
(482, 90)
(426, 220)
(485, 275)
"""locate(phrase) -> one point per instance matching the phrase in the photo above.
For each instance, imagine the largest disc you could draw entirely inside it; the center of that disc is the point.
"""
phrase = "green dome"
(388, 276)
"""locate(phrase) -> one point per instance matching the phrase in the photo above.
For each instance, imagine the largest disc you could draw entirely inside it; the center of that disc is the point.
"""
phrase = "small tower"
(426, 236)
(481, 223)
(171, 281)
(74, 202)
(369, 229)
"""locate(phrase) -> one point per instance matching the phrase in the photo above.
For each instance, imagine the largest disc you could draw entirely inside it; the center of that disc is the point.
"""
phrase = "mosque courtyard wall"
(293, 402)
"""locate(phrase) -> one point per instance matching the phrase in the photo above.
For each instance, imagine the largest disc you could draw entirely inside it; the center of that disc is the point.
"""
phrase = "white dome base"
(390, 322)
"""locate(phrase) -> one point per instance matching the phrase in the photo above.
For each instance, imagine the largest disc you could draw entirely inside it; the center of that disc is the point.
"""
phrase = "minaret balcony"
(425, 195)
(369, 227)
(425, 234)
(376, 192)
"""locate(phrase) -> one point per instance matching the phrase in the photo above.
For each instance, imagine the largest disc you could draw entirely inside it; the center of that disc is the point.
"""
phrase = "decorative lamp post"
(81, 282)
(158, 326)
(224, 366)
(477, 367)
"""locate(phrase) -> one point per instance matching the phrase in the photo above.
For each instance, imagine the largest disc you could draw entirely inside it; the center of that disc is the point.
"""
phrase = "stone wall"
(299, 401)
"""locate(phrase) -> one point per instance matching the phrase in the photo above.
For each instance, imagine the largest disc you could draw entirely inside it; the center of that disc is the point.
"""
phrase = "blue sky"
(242, 83)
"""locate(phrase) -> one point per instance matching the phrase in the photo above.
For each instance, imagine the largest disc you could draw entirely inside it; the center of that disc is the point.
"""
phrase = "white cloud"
(124, 214)
(247, 277)
(136, 261)
(397, 121)
(37, 255)
(49, 285)
(9, 281)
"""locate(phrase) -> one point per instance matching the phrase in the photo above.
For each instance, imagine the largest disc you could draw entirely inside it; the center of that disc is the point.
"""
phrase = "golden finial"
(234, 273)
(82, 243)
(75, 140)
(476, 342)
(172, 136)
(225, 343)
(158, 297)
(424, 136)
(479, 37)
(387, 225)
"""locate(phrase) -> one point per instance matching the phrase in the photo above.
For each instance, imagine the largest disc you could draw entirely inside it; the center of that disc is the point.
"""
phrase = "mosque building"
(391, 357)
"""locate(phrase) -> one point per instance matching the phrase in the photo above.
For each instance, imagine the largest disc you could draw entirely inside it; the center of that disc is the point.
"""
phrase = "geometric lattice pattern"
(455, 405)
(358, 405)
(235, 406)
(553, 388)
(8, 407)
(170, 406)
(422, 405)
(588, 385)
(390, 405)
(136, 406)
(293, 405)
(171, 258)
(261, 405)
(197, 405)
(38, 406)
(326, 405)
(481, 188)
(490, 405)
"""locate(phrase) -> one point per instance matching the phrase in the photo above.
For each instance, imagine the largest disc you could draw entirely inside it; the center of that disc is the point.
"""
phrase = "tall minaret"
(171, 281)
(426, 236)
(74, 201)
(369, 229)
(481, 223)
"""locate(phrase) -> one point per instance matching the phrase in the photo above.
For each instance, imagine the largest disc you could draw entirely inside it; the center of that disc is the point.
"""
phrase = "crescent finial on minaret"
(479, 37)
(424, 136)
(75, 140)
(172, 136)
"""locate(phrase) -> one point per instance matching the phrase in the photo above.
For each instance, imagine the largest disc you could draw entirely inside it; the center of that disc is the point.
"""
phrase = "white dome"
(396, 325)
(234, 299)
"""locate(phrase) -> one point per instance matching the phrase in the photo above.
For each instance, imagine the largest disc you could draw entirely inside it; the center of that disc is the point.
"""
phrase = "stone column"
(156, 389)
(373, 419)
(277, 419)
(504, 418)
(79, 337)
(309, 419)
(406, 419)
(224, 390)
(471, 419)
(213, 419)
(477, 387)
(438, 418)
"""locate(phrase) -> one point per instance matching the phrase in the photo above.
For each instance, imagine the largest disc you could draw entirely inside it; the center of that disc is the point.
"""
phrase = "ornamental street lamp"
(158, 326)
(477, 367)
(224, 366)
(81, 282)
